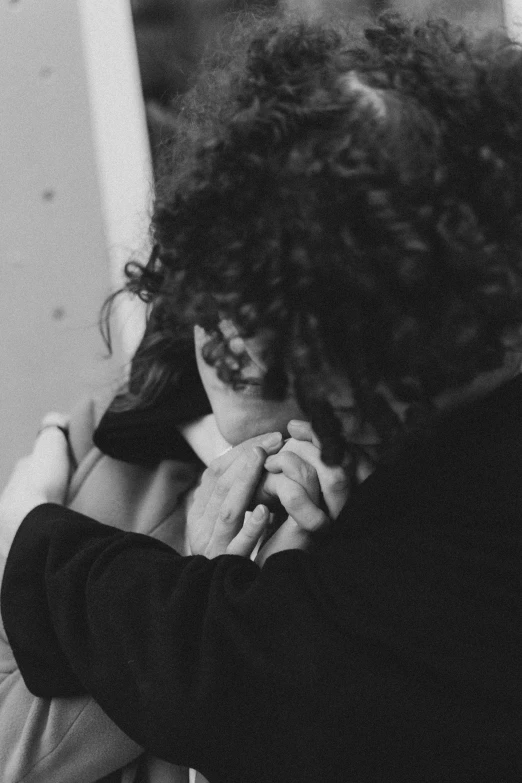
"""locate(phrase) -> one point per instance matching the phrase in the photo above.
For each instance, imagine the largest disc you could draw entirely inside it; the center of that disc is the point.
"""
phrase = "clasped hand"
(260, 473)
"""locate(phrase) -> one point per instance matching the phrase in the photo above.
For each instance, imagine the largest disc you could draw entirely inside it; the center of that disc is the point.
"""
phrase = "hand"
(216, 521)
(41, 477)
(333, 480)
(301, 481)
(299, 463)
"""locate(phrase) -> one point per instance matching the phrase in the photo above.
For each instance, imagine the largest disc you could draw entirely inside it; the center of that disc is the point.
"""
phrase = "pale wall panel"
(513, 15)
(56, 241)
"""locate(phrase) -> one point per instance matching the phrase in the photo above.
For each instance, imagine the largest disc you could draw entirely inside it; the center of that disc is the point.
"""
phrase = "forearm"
(59, 739)
(86, 607)
(156, 638)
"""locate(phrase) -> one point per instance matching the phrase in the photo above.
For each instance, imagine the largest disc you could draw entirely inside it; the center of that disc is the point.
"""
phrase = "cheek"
(239, 419)
(242, 414)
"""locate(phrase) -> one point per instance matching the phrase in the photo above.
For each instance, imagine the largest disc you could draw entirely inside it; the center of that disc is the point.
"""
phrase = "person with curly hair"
(348, 242)
(155, 457)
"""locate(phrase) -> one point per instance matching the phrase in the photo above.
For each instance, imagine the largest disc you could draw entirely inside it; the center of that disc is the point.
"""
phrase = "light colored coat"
(72, 740)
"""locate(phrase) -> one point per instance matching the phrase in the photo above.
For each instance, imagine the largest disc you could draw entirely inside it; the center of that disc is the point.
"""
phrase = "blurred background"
(90, 95)
(172, 35)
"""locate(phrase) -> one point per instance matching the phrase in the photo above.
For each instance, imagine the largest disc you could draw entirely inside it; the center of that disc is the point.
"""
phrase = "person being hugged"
(348, 243)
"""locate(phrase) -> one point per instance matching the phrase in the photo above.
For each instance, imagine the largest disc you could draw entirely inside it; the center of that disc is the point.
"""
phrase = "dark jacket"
(393, 652)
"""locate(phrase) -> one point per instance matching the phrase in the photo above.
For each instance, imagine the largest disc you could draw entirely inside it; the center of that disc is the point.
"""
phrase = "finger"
(52, 441)
(288, 536)
(302, 430)
(213, 488)
(54, 422)
(242, 474)
(298, 504)
(253, 528)
(55, 419)
(296, 468)
(333, 480)
(219, 466)
(232, 496)
(271, 442)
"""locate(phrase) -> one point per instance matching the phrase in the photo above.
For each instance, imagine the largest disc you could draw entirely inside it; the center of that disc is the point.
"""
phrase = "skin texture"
(295, 476)
(240, 480)
(242, 414)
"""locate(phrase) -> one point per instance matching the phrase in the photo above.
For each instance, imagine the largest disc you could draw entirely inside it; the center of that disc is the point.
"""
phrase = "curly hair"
(362, 202)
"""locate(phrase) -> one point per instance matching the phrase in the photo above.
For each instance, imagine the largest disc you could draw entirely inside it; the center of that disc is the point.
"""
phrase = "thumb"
(54, 429)
(51, 455)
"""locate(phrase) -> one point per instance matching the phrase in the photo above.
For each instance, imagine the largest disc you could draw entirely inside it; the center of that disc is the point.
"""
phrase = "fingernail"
(259, 513)
(296, 423)
(271, 440)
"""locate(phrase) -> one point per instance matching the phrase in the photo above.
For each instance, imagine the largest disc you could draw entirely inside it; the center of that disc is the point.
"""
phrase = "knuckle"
(316, 523)
(226, 518)
(221, 489)
(309, 473)
(290, 445)
(336, 480)
(293, 496)
(301, 448)
(209, 476)
(310, 481)
(214, 471)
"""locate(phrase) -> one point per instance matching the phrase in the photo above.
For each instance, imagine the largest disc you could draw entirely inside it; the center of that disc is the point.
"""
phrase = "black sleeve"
(156, 638)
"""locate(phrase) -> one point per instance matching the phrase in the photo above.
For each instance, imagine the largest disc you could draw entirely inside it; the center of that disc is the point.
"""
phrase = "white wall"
(513, 17)
(69, 205)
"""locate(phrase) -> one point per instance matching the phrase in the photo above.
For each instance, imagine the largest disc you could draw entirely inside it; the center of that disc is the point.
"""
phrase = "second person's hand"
(216, 521)
(303, 484)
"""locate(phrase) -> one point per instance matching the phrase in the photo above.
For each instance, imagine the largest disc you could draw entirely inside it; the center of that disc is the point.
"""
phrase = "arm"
(62, 739)
(189, 591)
(124, 617)
(53, 739)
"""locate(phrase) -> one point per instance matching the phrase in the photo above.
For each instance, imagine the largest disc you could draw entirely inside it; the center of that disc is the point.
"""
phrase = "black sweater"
(391, 653)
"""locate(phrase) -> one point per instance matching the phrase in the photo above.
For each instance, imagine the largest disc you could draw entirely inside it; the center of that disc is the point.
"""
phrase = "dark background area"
(172, 36)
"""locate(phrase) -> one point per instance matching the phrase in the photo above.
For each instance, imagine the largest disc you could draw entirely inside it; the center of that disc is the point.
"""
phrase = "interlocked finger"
(297, 503)
(333, 480)
(302, 430)
(298, 469)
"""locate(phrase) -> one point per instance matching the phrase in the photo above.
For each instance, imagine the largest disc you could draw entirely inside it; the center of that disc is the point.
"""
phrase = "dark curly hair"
(360, 200)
